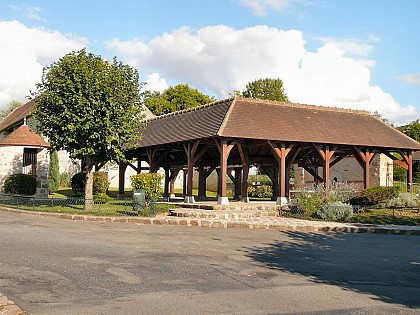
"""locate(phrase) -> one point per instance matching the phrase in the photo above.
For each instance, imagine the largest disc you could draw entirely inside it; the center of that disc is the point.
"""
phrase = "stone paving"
(225, 219)
(7, 307)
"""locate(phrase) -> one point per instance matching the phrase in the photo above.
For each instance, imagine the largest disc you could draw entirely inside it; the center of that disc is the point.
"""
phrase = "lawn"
(388, 216)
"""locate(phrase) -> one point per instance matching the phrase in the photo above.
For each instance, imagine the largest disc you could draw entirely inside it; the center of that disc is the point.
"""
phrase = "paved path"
(381, 268)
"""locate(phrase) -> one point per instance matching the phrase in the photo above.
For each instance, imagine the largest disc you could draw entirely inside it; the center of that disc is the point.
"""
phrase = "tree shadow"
(386, 266)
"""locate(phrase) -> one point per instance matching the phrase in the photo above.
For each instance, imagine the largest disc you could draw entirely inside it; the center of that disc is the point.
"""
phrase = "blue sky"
(354, 54)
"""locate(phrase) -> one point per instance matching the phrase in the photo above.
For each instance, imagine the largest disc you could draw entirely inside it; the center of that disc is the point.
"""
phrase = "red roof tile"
(17, 115)
(269, 120)
(24, 136)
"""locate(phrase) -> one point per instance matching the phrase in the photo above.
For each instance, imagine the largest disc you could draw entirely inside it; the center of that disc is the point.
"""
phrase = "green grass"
(387, 216)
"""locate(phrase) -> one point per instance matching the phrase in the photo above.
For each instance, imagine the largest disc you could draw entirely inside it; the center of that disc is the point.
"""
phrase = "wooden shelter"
(230, 135)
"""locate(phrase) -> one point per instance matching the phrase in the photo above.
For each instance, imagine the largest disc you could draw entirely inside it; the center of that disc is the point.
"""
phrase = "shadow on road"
(385, 266)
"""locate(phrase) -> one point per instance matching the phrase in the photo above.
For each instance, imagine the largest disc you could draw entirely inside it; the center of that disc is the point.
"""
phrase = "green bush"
(308, 203)
(100, 182)
(403, 200)
(259, 179)
(53, 173)
(150, 182)
(335, 211)
(263, 191)
(78, 182)
(101, 198)
(374, 195)
(21, 184)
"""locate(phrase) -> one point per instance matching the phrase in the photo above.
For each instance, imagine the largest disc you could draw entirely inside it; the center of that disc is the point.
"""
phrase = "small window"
(29, 161)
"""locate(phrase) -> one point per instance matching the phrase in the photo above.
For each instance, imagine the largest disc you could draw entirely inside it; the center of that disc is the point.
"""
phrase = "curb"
(274, 223)
(267, 223)
(8, 307)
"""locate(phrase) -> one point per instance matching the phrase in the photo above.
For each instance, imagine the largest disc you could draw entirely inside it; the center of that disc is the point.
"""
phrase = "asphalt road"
(54, 266)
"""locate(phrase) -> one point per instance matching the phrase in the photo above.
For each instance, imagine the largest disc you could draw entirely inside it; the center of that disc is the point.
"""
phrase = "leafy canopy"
(267, 89)
(174, 98)
(87, 106)
(10, 108)
(412, 130)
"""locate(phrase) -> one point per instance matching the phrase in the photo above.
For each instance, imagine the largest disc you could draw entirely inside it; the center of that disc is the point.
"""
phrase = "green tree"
(10, 108)
(87, 106)
(53, 172)
(412, 130)
(175, 98)
(267, 89)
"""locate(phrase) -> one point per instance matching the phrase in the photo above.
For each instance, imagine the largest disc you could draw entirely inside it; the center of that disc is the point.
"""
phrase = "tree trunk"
(89, 184)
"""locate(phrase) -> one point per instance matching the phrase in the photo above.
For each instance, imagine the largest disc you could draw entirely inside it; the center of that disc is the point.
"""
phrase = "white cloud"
(33, 13)
(260, 7)
(410, 78)
(222, 59)
(155, 83)
(25, 51)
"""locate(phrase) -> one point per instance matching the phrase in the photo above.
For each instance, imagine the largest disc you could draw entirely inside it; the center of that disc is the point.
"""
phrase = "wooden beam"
(201, 152)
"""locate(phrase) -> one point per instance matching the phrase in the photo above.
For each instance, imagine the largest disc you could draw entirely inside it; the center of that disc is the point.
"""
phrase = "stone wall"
(349, 170)
(11, 162)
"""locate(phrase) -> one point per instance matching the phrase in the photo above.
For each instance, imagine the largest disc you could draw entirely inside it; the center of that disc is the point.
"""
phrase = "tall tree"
(53, 172)
(87, 106)
(267, 89)
(175, 98)
(412, 130)
(10, 108)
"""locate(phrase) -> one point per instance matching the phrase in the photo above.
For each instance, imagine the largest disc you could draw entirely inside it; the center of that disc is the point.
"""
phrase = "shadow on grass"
(386, 266)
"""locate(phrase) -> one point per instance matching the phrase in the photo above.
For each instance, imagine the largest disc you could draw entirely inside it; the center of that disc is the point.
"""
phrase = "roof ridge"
(190, 109)
(227, 115)
(299, 105)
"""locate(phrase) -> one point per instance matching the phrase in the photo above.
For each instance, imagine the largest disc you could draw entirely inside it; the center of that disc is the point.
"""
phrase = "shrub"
(403, 200)
(342, 191)
(101, 198)
(65, 179)
(259, 179)
(335, 211)
(53, 173)
(263, 191)
(100, 182)
(308, 203)
(21, 184)
(374, 195)
(78, 182)
(150, 182)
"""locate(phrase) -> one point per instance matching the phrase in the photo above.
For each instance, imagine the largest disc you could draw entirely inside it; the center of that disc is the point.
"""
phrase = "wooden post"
(409, 159)
(238, 182)
(243, 152)
(121, 178)
(184, 182)
(190, 150)
(167, 180)
(281, 154)
(364, 160)
(173, 176)
(223, 199)
(201, 183)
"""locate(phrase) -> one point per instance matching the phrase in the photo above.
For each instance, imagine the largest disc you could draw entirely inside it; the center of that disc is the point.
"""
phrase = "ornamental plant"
(335, 211)
(21, 184)
(150, 182)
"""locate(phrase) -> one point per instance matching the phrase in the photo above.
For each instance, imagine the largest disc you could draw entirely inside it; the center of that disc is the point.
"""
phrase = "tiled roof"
(24, 136)
(196, 123)
(270, 120)
(17, 115)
